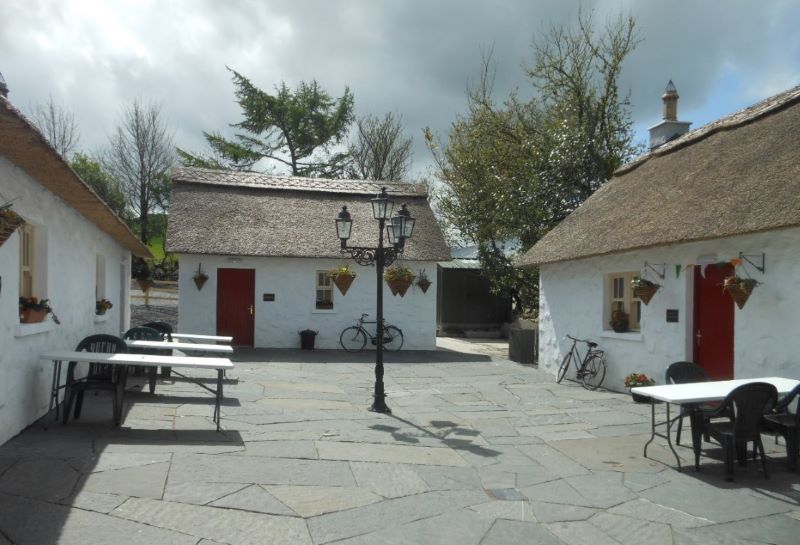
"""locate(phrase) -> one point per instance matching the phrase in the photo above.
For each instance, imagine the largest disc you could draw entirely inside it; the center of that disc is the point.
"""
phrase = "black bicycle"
(354, 338)
(592, 369)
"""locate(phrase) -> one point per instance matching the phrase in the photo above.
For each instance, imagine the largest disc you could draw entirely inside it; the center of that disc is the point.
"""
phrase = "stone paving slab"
(360, 452)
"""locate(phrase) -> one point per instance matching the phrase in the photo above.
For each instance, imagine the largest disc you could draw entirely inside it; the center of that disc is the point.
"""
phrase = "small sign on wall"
(269, 297)
(672, 315)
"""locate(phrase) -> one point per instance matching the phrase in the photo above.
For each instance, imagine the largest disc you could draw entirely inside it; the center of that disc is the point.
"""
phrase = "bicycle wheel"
(562, 371)
(593, 372)
(353, 339)
(392, 338)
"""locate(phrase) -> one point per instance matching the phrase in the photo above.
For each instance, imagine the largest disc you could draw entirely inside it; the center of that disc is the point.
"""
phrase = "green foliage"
(107, 188)
(512, 171)
(294, 127)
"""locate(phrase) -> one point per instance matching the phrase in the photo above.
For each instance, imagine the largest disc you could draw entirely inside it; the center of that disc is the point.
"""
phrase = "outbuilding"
(265, 244)
(693, 215)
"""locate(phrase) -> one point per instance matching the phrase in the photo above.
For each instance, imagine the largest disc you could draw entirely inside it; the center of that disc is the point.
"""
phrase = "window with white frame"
(620, 298)
(100, 278)
(324, 291)
(27, 261)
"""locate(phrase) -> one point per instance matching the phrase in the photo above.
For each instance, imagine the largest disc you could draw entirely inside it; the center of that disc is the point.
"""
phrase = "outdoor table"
(145, 360)
(694, 393)
(191, 337)
(178, 345)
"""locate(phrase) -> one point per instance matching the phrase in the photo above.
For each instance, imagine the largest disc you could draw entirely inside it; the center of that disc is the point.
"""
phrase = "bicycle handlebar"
(580, 340)
(364, 315)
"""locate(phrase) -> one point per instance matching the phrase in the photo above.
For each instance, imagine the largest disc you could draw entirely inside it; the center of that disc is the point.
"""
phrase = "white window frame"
(323, 285)
(27, 261)
(100, 277)
(619, 295)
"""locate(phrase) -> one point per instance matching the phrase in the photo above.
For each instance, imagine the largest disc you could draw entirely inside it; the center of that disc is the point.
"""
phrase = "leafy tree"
(58, 126)
(297, 128)
(107, 188)
(140, 155)
(512, 171)
(379, 150)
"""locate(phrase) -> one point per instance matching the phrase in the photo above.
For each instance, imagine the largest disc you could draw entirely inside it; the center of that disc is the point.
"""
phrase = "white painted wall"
(293, 281)
(766, 339)
(72, 246)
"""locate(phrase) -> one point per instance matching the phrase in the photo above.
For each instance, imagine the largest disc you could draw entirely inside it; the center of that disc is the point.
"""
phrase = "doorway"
(235, 304)
(713, 322)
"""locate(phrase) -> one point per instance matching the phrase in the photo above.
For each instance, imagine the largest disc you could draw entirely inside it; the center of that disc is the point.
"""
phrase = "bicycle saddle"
(591, 344)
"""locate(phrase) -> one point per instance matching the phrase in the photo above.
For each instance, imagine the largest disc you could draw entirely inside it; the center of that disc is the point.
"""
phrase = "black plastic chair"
(748, 404)
(787, 424)
(683, 372)
(99, 377)
(142, 333)
(166, 331)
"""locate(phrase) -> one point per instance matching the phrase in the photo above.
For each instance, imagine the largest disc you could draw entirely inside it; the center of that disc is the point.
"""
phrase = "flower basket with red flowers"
(638, 379)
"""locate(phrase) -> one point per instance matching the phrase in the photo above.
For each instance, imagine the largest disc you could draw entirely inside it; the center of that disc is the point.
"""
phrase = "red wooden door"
(713, 323)
(235, 304)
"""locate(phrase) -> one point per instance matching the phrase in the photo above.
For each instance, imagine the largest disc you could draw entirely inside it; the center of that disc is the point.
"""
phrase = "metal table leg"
(217, 409)
(54, 388)
(667, 435)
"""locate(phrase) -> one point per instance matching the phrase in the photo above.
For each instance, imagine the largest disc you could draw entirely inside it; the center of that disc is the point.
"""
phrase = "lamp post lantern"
(400, 227)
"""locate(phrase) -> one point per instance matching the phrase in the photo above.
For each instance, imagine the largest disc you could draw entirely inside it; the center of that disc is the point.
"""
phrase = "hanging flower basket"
(9, 222)
(144, 283)
(739, 289)
(399, 279)
(423, 282)
(200, 278)
(644, 289)
(343, 278)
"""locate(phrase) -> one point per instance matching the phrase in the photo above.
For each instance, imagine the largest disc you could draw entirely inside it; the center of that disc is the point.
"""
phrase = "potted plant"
(33, 311)
(399, 279)
(343, 277)
(638, 379)
(101, 306)
(9, 222)
(423, 282)
(200, 278)
(644, 289)
(739, 289)
(619, 321)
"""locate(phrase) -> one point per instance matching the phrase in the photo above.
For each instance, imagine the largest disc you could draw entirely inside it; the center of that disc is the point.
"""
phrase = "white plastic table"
(123, 361)
(694, 393)
(177, 345)
(196, 337)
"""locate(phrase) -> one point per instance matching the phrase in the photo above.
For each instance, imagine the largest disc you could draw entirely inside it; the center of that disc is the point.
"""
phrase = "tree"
(512, 171)
(57, 125)
(296, 128)
(107, 188)
(379, 150)
(140, 155)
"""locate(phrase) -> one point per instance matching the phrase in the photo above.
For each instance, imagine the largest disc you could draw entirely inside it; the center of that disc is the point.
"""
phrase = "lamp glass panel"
(408, 227)
(343, 228)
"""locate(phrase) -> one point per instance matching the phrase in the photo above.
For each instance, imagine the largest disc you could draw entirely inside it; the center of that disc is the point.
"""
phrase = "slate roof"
(737, 175)
(23, 144)
(255, 214)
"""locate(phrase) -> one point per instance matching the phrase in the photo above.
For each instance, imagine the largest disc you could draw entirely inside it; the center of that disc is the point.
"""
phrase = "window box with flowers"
(635, 380)
(33, 311)
(101, 306)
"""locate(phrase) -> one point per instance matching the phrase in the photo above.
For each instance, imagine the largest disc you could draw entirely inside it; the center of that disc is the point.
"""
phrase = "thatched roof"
(255, 214)
(23, 144)
(737, 175)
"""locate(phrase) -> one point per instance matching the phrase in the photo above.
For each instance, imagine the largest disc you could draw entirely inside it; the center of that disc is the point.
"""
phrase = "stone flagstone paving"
(478, 451)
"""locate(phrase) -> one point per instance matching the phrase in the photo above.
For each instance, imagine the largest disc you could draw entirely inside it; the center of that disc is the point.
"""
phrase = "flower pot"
(424, 284)
(645, 292)
(144, 284)
(619, 321)
(199, 281)
(32, 316)
(399, 286)
(100, 311)
(739, 289)
(343, 281)
(639, 398)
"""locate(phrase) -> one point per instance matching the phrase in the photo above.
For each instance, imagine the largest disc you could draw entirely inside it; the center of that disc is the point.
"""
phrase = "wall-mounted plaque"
(269, 297)
(672, 315)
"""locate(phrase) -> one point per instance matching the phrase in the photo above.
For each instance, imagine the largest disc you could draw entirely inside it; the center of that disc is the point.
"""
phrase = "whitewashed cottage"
(719, 201)
(72, 250)
(265, 244)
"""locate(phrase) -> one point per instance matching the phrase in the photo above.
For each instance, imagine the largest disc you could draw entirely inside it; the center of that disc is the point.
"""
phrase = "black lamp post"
(400, 228)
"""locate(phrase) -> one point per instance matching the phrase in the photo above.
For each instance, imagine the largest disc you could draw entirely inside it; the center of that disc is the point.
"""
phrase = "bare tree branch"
(57, 125)
(379, 150)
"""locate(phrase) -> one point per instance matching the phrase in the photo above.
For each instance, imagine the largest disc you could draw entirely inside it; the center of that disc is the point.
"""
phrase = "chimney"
(3, 87)
(669, 128)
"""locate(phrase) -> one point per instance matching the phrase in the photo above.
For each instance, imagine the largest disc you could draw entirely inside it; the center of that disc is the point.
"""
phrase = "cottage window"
(26, 261)
(100, 278)
(620, 298)
(324, 291)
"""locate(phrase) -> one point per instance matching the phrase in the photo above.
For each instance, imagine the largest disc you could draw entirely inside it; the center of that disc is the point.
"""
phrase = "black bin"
(307, 337)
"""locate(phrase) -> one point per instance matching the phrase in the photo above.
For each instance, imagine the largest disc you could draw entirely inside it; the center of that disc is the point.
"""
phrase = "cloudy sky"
(412, 57)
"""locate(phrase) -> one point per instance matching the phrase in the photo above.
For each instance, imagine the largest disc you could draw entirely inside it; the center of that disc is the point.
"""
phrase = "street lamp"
(400, 227)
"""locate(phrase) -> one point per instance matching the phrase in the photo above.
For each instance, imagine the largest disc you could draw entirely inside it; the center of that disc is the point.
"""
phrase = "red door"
(713, 323)
(235, 304)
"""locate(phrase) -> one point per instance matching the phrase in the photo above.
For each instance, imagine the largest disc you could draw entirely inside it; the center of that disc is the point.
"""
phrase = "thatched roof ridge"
(737, 175)
(23, 144)
(264, 180)
(285, 217)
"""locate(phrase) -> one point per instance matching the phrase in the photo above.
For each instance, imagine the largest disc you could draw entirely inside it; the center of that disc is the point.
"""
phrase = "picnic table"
(122, 361)
(692, 394)
(191, 337)
(178, 345)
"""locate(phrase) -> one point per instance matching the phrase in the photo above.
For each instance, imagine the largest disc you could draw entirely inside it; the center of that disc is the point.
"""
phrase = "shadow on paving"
(447, 428)
(291, 355)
